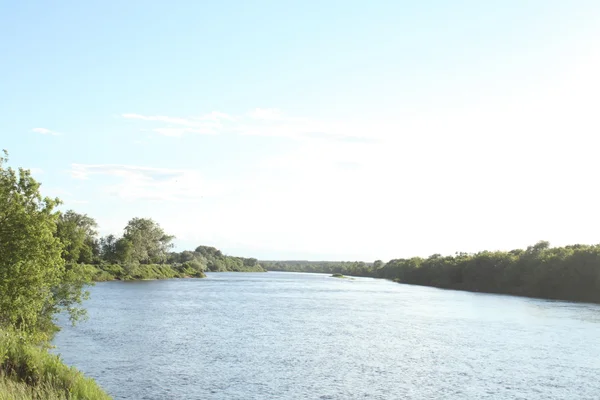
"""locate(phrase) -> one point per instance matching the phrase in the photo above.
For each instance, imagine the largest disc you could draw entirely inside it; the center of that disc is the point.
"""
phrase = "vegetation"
(111, 266)
(39, 277)
(565, 273)
(341, 276)
(28, 371)
(48, 257)
(356, 268)
(141, 253)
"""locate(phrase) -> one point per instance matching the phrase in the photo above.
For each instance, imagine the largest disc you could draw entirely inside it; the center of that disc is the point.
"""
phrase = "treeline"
(142, 252)
(356, 268)
(562, 273)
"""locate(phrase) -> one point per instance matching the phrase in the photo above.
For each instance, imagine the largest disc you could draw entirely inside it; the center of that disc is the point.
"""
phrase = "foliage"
(149, 242)
(34, 283)
(111, 272)
(193, 268)
(78, 236)
(212, 259)
(566, 273)
(30, 372)
(356, 268)
(141, 253)
(40, 275)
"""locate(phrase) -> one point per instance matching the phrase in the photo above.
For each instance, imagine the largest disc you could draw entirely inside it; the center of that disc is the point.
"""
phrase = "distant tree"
(209, 252)
(108, 249)
(124, 253)
(149, 242)
(187, 256)
(539, 246)
(78, 235)
(250, 262)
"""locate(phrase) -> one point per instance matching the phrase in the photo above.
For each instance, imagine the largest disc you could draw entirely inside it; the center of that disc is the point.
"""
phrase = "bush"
(193, 268)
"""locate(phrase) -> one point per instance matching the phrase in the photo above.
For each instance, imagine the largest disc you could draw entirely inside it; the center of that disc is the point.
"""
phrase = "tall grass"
(28, 372)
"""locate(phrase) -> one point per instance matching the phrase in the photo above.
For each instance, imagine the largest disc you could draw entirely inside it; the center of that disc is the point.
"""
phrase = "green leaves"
(31, 266)
(149, 242)
(78, 236)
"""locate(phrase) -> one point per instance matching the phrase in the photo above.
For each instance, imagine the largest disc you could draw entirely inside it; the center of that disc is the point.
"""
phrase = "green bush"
(114, 269)
(193, 268)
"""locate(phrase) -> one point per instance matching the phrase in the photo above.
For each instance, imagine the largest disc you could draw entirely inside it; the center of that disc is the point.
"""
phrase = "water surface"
(281, 335)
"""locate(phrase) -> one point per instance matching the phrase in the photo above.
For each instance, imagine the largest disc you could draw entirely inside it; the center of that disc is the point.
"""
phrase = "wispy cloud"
(564, 103)
(268, 122)
(45, 131)
(207, 124)
(132, 182)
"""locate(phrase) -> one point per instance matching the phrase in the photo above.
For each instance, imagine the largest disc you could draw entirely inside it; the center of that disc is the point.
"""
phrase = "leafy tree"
(108, 249)
(124, 253)
(209, 252)
(34, 283)
(78, 235)
(149, 242)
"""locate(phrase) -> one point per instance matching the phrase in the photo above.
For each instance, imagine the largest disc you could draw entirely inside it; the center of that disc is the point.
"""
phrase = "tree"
(124, 253)
(209, 252)
(108, 248)
(32, 271)
(78, 236)
(149, 243)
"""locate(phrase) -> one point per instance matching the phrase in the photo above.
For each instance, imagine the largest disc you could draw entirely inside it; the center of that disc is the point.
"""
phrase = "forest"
(561, 273)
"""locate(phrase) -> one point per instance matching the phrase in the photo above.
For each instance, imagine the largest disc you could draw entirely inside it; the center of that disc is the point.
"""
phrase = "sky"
(314, 130)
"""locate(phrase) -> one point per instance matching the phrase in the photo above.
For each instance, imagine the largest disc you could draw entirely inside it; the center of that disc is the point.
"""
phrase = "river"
(281, 335)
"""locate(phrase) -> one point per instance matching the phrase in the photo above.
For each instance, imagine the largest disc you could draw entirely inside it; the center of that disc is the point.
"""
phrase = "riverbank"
(28, 371)
(539, 271)
(112, 272)
(116, 272)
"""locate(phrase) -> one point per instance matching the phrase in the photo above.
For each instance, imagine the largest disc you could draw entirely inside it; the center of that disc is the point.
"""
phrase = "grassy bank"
(28, 372)
(111, 272)
(189, 269)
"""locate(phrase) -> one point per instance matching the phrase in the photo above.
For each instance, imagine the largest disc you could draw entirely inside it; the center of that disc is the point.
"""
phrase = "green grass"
(103, 273)
(29, 372)
(15, 390)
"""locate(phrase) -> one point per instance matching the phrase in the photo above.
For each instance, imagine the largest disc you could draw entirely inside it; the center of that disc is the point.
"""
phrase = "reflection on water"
(308, 336)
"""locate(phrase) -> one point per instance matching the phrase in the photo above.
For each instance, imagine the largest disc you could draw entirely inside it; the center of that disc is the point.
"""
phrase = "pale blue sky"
(312, 129)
